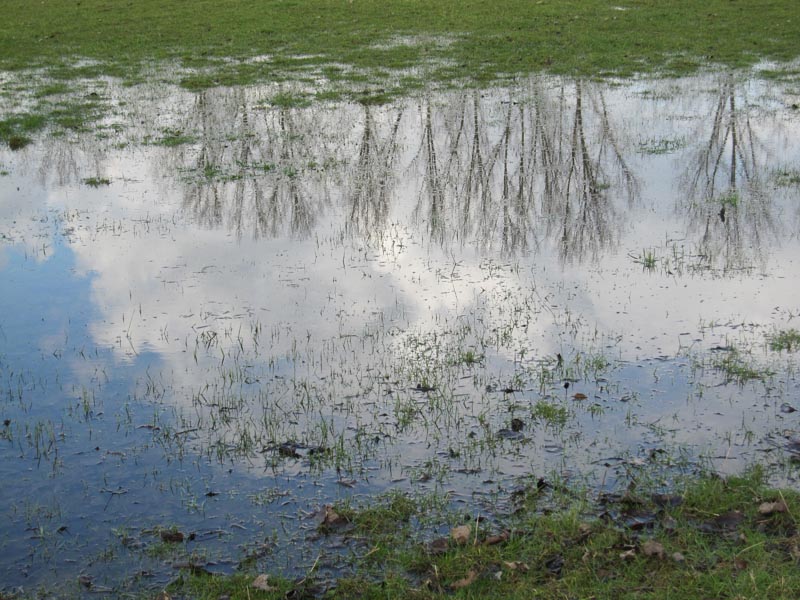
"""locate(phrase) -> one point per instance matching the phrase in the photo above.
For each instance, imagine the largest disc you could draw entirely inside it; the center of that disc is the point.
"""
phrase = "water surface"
(219, 314)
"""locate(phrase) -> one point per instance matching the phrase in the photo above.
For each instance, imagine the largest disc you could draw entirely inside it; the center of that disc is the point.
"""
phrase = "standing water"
(220, 313)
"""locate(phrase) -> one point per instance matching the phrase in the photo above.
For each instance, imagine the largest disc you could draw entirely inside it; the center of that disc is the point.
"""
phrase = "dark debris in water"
(296, 450)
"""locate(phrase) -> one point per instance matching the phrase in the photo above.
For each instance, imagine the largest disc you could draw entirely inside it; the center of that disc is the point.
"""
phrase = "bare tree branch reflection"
(371, 182)
(507, 165)
(257, 177)
(729, 209)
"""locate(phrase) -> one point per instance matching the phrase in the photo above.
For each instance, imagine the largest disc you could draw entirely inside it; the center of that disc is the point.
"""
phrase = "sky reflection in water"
(301, 276)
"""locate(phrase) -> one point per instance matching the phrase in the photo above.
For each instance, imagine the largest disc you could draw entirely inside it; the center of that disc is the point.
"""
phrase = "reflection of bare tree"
(727, 204)
(66, 161)
(580, 173)
(255, 172)
(370, 187)
(505, 167)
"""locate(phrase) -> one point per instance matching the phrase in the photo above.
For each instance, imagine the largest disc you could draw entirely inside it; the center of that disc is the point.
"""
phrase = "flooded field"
(221, 311)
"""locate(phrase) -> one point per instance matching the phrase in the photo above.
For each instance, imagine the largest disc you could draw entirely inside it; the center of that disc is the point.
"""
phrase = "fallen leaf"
(724, 523)
(579, 396)
(171, 536)
(262, 583)
(585, 530)
(740, 564)
(516, 565)
(461, 534)
(330, 518)
(438, 546)
(667, 500)
(729, 520)
(496, 539)
(653, 548)
(628, 554)
(468, 580)
(678, 557)
(669, 523)
(769, 508)
(554, 564)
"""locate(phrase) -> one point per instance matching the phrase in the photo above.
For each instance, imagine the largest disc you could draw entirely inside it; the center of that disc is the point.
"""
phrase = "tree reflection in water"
(729, 207)
(544, 166)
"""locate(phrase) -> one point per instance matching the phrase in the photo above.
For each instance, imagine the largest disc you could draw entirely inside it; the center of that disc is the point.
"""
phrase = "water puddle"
(221, 312)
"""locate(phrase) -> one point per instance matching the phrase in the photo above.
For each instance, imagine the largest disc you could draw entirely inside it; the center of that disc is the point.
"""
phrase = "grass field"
(459, 40)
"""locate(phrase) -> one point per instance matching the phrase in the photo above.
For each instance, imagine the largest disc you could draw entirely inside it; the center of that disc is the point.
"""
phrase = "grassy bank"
(712, 538)
(469, 39)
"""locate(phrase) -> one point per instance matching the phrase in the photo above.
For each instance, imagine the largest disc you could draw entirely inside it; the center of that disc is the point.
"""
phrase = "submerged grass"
(710, 537)
(785, 340)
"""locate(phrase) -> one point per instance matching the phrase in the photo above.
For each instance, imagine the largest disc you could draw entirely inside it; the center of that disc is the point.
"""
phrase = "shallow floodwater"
(219, 314)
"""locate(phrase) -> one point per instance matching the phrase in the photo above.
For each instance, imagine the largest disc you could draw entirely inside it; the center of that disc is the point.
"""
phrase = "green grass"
(96, 181)
(739, 368)
(709, 538)
(467, 39)
(787, 178)
(788, 340)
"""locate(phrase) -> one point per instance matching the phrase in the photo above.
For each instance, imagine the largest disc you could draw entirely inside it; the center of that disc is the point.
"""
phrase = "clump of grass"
(550, 413)
(647, 258)
(288, 100)
(173, 137)
(788, 340)
(96, 182)
(737, 368)
(661, 146)
(730, 199)
(787, 178)
(469, 357)
(382, 516)
(15, 130)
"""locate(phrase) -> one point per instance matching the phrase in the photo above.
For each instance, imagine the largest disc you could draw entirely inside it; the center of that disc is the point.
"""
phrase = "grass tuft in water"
(788, 340)
(96, 182)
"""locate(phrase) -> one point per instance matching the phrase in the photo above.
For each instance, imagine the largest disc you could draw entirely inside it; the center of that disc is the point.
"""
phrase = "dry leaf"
(438, 546)
(579, 396)
(171, 536)
(585, 530)
(262, 583)
(461, 534)
(330, 518)
(468, 580)
(739, 564)
(678, 557)
(516, 565)
(496, 539)
(628, 554)
(653, 548)
(769, 508)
